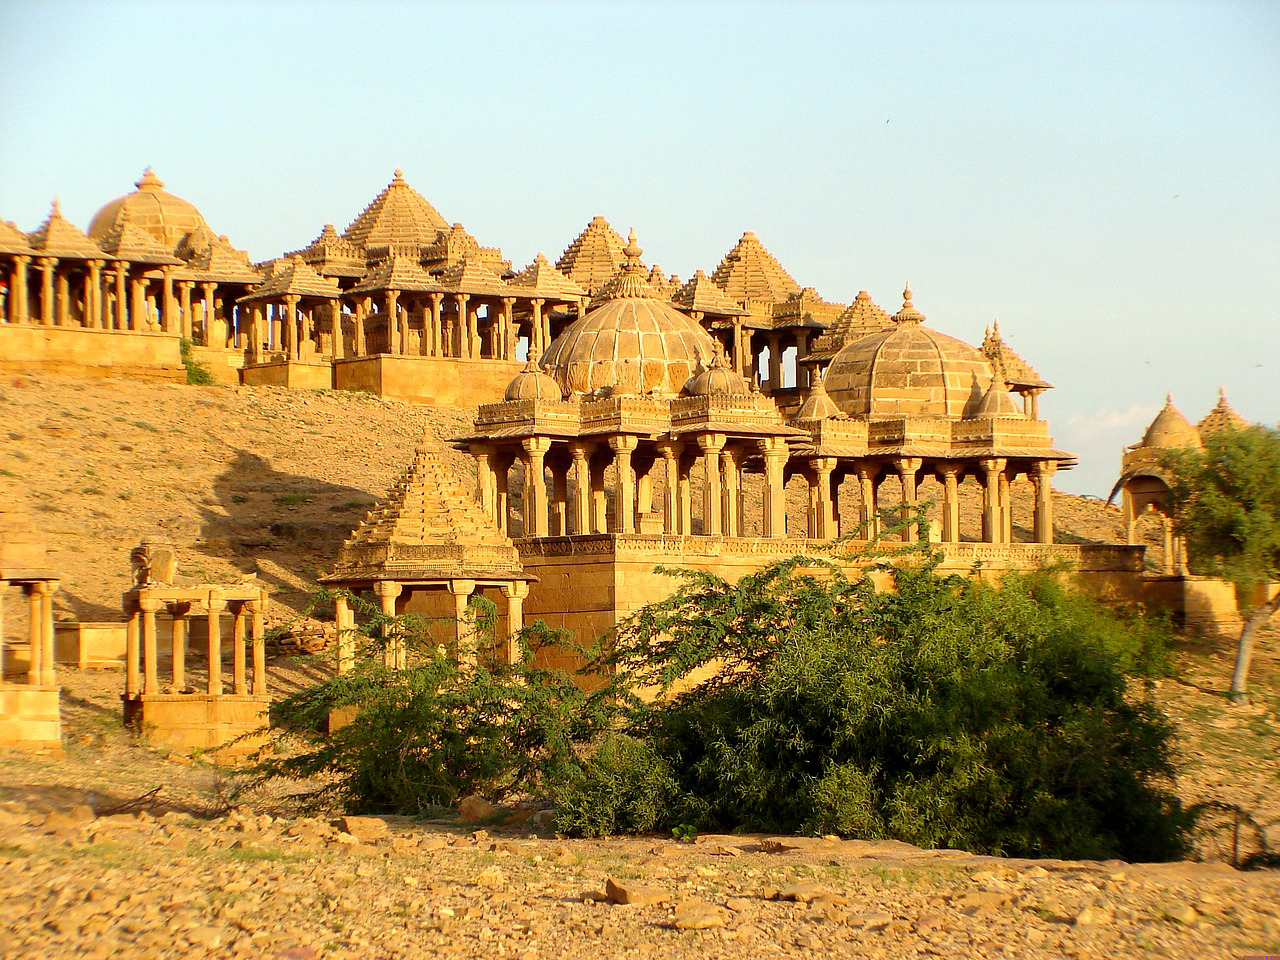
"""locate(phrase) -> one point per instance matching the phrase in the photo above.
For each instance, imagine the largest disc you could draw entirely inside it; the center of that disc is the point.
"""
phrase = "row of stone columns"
(395, 654)
(109, 298)
(41, 670)
(142, 643)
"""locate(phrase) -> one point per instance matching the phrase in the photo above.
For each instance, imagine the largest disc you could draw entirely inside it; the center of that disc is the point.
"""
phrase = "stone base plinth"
(223, 364)
(29, 718)
(90, 645)
(586, 584)
(441, 381)
(187, 722)
(77, 352)
(289, 373)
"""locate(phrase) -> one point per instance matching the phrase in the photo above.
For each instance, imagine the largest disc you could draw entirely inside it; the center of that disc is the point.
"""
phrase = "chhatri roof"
(399, 214)
(397, 273)
(1016, 371)
(818, 405)
(294, 277)
(165, 217)
(860, 319)
(750, 272)
(58, 238)
(1170, 430)
(212, 257)
(701, 295)
(1221, 417)
(594, 257)
(471, 276)
(13, 240)
(126, 240)
(908, 370)
(541, 279)
(633, 342)
(428, 529)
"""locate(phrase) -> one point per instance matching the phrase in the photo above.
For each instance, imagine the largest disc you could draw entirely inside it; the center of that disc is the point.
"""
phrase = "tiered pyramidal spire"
(594, 257)
(399, 214)
(750, 272)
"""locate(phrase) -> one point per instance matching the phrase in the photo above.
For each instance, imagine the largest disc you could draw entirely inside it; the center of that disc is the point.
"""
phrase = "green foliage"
(198, 374)
(946, 712)
(420, 738)
(1226, 503)
(624, 787)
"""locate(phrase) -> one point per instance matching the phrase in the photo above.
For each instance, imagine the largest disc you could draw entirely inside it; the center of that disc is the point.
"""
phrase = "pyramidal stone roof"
(860, 319)
(1221, 417)
(1015, 371)
(750, 272)
(294, 277)
(701, 294)
(397, 273)
(214, 258)
(595, 257)
(471, 276)
(13, 240)
(128, 241)
(58, 238)
(399, 214)
(540, 278)
(428, 528)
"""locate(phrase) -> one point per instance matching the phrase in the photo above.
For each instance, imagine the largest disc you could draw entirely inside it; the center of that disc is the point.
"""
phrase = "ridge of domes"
(1170, 430)
(167, 218)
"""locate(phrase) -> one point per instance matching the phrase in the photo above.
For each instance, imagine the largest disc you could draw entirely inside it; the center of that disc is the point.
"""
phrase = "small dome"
(164, 216)
(818, 405)
(908, 370)
(1170, 430)
(1221, 417)
(719, 380)
(998, 402)
(633, 342)
(532, 384)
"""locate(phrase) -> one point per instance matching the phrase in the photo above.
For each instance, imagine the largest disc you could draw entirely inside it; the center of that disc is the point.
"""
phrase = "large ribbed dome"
(634, 342)
(908, 370)
(165, 217)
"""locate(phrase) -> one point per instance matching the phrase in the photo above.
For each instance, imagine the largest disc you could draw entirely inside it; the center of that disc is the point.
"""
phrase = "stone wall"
(77, 352)
(441, 381)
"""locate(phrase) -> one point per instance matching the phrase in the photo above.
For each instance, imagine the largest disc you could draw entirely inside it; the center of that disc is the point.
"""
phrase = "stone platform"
(29, 718)
(185, 722)
(443, 381)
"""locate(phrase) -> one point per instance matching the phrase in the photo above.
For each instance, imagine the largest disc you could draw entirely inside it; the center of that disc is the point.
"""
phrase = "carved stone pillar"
(132, 651)
(150, 682)
(178, 641)
(122, 296)
(216, 603)
(1006, 508)
(1042, 477)
(344, 624)
(908, 468)
(731, 515)
(625, 506)
(484, 477)
(257, 610)
(671, 462)
(868, 512)
(93, 296)
(775, 362)
(19, 305)
(775, 496)
(515, 592)
(712, 508)
(46, 290)
(394, 656)
(535, 486)
(822, 517)
(991, 471)
(581, 453)
(560, 497)
(239, 685)
(464, 649)
(184, 291)
(950, 474)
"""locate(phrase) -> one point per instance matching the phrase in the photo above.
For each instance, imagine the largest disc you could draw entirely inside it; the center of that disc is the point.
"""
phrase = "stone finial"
(632, 250)
(399, 176)
(149, 181)
(908, 313)
(53, 208)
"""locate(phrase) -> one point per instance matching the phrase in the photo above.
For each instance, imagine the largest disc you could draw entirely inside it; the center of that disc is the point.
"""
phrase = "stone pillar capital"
(993, 465)
(580, 450)
(387, 589)
(623, 443)
(1044, 469)
(536, 446)
(516, 589)
(908, 465)
(216, 600)
(149, 604)
(462, 588)
(22, 259)
(711, 443)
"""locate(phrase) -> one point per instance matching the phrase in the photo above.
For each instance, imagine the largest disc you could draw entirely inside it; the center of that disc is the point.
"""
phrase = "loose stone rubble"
(245, 885)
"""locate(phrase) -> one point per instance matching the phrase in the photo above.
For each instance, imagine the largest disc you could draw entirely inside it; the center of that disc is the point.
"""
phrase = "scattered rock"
(635, 894)
(364, 829)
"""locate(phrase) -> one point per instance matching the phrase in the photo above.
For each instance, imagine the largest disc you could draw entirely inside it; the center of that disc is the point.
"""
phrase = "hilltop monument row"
(624, 420)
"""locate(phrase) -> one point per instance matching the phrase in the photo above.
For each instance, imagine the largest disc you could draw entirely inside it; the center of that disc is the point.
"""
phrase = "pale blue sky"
(1102, 178)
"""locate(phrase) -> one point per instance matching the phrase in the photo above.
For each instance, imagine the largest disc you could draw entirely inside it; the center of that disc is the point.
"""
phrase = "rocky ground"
(117, 850)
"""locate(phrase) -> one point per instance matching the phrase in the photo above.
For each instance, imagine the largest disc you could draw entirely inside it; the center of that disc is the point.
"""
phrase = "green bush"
(624, 787)
(198, 374)
(946, 712)
(421, 738)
